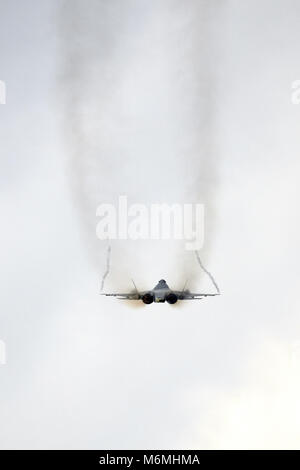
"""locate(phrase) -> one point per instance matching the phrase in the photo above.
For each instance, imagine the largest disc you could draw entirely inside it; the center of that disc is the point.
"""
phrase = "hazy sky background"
(203, 89)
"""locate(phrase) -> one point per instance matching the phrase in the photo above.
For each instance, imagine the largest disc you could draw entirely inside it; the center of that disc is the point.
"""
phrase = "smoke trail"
(107, 268)
(207, 272)
(138, 87)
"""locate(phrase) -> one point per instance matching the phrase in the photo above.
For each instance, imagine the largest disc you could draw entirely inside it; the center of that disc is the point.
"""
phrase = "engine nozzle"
(171, 298)
(148, 298)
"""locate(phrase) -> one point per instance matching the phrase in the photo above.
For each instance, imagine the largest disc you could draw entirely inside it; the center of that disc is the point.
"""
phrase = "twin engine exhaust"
(148, 298)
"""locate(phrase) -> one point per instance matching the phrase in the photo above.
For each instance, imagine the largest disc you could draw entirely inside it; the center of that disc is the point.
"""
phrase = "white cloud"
(261, 412)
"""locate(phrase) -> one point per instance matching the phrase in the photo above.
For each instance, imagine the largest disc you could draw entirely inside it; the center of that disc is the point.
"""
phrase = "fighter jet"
(162, 293)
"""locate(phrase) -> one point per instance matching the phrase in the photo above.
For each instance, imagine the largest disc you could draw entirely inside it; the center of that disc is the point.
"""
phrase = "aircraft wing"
(129, 296)
(192, 296)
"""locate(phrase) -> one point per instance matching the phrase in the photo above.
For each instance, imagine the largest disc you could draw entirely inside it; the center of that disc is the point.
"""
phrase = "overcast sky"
(165, 101)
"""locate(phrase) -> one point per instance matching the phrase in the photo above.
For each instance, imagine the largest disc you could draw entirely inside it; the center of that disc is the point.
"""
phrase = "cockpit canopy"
(162, 285)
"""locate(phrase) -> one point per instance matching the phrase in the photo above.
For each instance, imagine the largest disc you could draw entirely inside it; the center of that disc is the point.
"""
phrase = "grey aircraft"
(162, 293)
